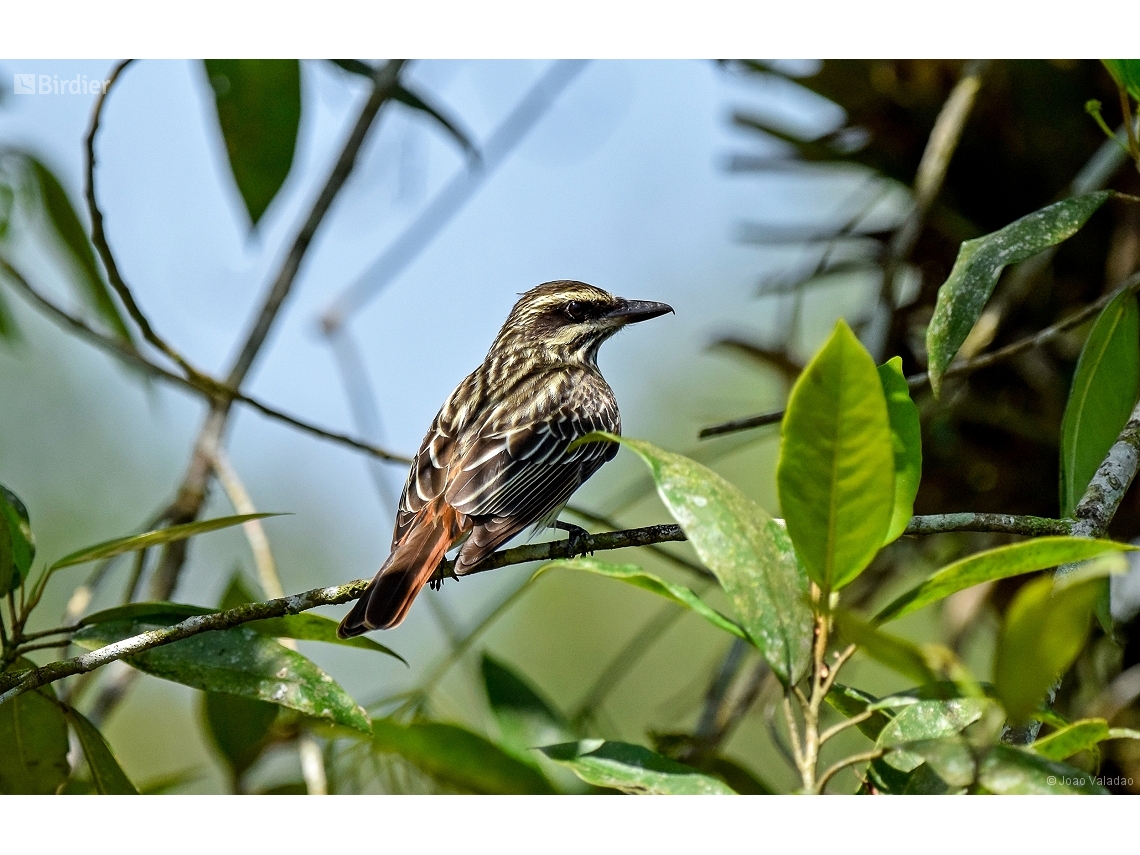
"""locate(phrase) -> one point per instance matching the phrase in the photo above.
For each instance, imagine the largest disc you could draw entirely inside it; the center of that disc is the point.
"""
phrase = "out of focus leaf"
(749, 553)
(158, 613)
(33, 743)
(239, 728)
(1103, 392)
(923, 664)
(1007, 770)
(455, 756)
(1072, 739)
(238, 661)
(118, 546)
(73, 237)
(107, 776)
(979, 264)
(836, 474)
(1045, 628)
(927, 720)
(633, 769)
(237, 593)
(526, 719)
(309, 627)
(17, 545)
(8, 329)
(634, 575)
(1126, 73)
(259, 109)
(411, 99)
(1001, 562)
(906, 440)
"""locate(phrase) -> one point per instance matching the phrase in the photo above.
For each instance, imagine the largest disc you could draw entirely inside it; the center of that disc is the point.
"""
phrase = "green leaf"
(633, 769)
(851, 702)
(1072, 739)
(979, 264)
(259, 109)
(111, 548)
(238, 661)
(526, 719)
(1103, 392)
(749, 553)
(1007, 770)
(237, 593)
(455, 756)
(906, 440)
(17, 545)
(239, 728)
(634, 575)
(999, 563)
(8, 329)
(952, 760)
(836, 471)
(107, 776)
(158, 613)
(33, 743)
(1045, 628)
(1126, 73)
(308, 627)
(72, 235)
(927, 720)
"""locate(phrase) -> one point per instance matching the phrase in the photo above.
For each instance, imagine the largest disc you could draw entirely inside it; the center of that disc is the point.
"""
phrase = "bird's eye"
(575, 311)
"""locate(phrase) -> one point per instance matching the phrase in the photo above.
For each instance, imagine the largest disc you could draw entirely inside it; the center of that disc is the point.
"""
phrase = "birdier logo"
(51, 84)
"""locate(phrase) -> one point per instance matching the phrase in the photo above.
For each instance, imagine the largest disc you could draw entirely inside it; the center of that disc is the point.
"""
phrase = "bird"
(497, 457)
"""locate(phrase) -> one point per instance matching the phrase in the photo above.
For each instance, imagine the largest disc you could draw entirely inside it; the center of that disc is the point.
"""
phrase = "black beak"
(633, 311)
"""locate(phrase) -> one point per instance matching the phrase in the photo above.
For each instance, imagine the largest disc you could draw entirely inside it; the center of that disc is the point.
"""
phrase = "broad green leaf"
(979, 264)
(1002, 562)
(836, 474)
(634, 575)
(1126, 73)
(259, 110)
(107, 776)
(1007, 770)
(927, 720)
(748, 551)
(1045, 628)
(1072, 739)
(1103, 392)
(526, 719)
(455, 756)
(238, 661)
(158, 613)
(118, 546)
(906, 440)
(33, 743)
(239, 728)
(952, 759)
(852, 702)
(17, 545)
(73, 237)
(633, 769)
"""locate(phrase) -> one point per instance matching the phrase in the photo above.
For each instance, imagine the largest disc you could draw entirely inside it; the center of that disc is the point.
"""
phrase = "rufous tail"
(385, 602)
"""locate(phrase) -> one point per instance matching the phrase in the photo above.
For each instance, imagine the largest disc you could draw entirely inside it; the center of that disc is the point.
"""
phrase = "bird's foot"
(575, 536)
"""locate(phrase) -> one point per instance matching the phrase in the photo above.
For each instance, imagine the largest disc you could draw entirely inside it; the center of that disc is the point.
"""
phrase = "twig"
(1112, 479)
(211, 389)
(843, 725)
(254, 531)
(865, 756)
(917, 381)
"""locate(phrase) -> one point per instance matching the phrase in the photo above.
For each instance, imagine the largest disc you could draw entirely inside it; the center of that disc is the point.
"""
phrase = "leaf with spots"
(237, 661)
(750, 554)
(633, 769)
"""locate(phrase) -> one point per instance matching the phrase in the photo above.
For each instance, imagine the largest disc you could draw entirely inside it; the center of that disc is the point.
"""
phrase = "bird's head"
(566, 321)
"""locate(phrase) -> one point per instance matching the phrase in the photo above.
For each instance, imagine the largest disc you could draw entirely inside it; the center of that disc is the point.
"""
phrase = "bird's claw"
(575, 535)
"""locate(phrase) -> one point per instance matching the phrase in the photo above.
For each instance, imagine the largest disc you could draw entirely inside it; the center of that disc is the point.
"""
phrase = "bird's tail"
(385, 602)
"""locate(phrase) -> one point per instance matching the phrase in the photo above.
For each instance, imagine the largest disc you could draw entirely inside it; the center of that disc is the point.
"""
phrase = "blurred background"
(762, 200)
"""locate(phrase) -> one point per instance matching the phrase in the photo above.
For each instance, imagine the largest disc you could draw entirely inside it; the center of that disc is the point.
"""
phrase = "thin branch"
(917, 381)
(866, 756)
(843, 725)
(99, 239)
(210, 389)
(996, 523)
(254, 531)
(1112, 479)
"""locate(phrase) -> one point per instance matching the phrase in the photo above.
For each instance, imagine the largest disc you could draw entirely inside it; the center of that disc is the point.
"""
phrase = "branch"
(917, 381)
(99, 239)
(211, 389)
(1106, 490)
